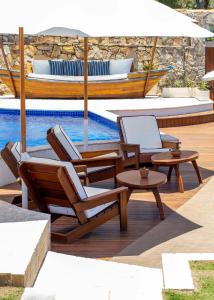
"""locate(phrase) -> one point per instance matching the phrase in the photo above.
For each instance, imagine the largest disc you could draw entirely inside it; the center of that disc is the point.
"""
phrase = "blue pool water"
(38, 122)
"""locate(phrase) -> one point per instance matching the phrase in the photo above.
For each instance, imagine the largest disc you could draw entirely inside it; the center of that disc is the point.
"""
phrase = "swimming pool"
(38, 122)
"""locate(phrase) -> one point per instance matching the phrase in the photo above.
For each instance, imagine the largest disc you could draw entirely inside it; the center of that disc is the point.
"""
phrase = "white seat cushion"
(142, 151)
(16, 151)
(142, 130)
(66, 142)
(168, 137)
(90, 191)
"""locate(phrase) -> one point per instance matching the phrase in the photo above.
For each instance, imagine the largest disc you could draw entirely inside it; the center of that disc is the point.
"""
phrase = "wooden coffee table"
(133, 181)
(166, 159)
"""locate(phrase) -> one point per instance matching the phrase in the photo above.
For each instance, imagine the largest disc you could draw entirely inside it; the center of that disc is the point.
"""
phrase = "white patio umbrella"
(99, 18)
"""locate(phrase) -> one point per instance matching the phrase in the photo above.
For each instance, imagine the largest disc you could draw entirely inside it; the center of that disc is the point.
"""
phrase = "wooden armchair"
(101, 164)
(140, 139)
(57, 189)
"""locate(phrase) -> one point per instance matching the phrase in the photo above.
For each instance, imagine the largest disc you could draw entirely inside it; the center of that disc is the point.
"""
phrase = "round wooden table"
(133, 181)
(166, 159)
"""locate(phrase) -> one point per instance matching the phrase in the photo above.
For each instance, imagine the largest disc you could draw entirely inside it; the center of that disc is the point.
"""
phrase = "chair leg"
(123, 211)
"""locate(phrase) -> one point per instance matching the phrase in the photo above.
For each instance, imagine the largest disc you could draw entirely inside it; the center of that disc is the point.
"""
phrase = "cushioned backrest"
(41, 67)
(56, 67)
(142, 130)
(66, 142)
(16, 151)
(70, 67)
(120, 66)
(70, 169)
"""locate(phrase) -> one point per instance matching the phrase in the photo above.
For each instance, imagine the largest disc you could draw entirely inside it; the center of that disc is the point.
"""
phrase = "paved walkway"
(189, 229)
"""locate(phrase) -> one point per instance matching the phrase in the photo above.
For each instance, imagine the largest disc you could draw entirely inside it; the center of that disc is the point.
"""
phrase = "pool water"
(38, 122)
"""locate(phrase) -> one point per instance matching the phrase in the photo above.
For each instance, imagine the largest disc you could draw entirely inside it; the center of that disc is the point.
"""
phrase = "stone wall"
(185, 54)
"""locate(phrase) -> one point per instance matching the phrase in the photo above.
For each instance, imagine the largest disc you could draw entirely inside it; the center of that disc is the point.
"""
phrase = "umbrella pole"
(22, 109)
(85, 93)
(150, 66)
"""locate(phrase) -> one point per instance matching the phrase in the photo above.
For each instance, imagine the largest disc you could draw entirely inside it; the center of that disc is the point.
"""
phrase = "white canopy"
(100, 18)
(209, 76)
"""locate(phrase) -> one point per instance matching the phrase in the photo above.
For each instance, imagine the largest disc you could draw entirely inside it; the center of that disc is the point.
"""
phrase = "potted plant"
(180, 88)
(202, 91)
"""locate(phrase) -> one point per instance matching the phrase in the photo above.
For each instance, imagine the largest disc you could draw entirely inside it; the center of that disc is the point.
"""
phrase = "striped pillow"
(56, 67)
(70, 67)
(81, 68)
(101, 67)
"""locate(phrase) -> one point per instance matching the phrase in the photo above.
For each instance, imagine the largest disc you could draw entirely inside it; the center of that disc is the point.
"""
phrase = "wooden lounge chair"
(140, 139)
(11, 156)
(102, 164)
(57, 189)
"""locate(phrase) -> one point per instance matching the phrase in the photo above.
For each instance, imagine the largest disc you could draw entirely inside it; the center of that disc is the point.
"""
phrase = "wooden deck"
(107, 240)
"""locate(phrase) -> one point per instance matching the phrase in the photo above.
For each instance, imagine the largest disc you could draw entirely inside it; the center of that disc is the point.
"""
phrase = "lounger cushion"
(142, 130)
(120, 66)
(152, 151)
(56, 67)
(16, 151)
(69, 167)
(41, 67)
(66, 142)
(167, 137)
(90, 191)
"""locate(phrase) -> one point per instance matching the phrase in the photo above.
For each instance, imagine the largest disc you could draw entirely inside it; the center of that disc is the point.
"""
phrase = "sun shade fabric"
(83, 192)
(70, 67)
(110, 18)
(56, 67)
(142, 130)
(66, 142)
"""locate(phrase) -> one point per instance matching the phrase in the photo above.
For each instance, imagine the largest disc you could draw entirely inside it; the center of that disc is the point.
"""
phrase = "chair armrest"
(98, 162)
(130, 148)
(102, 198)
(81, 168)
(170, 144)
(94, 153)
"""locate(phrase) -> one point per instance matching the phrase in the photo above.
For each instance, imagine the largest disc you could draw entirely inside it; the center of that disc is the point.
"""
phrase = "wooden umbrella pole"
(22, 89)
(8, 69)
(150, 65)
(85, 93)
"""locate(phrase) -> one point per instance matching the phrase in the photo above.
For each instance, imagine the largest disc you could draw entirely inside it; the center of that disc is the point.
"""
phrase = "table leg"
(169, 173)
(195, 165)
(159, 202)
(179, 179)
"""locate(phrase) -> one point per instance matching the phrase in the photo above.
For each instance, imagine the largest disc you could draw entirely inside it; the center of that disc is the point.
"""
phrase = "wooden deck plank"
(107, 241)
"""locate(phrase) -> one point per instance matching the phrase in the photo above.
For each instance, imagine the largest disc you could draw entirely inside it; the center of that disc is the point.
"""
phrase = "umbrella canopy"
(100, 18)
(209, 76)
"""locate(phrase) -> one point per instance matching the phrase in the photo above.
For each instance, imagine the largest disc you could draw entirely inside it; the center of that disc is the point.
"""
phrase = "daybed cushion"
(120, 66)
(56, 67)
(70, 67)
(66, 142)
(83, 192)
(142, 130)
(41, 67)
(95, 68)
